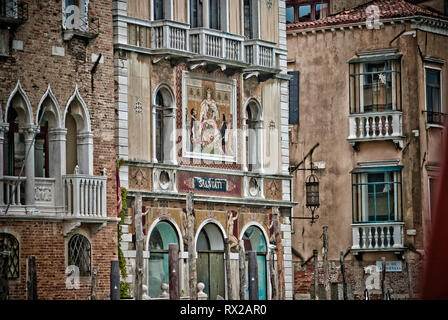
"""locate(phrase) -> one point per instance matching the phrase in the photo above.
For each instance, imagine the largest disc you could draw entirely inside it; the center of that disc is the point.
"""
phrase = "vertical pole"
(31, 279)
(273, 276)
(228, 270)
(278, 242)
(4, 286)
(408, 269)
(383, 277)
(253, 276)
(93, 281)
(242, 267)
(138, 291)
(173, 265)
(325, 264)
(191, 247)
(344, 276)
(316, 274)
(114, 280)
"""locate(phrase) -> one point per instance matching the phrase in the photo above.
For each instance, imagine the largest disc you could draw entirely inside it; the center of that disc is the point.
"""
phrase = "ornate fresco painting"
(209, 118)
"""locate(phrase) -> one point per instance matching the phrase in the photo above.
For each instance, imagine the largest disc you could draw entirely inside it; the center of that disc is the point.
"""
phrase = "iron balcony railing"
(13, 11)
(433, 117)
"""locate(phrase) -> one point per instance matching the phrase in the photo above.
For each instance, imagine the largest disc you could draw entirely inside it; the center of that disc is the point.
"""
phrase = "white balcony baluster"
(85, 195)
(377, 236)
(368, 126)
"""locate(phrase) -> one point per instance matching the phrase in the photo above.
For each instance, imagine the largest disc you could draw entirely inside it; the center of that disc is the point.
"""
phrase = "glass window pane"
(305, 13)
(162, 235)
(289, 14)
(433, 77)
(158, 10)
(157, 273)
(321, 10)
(254, 240)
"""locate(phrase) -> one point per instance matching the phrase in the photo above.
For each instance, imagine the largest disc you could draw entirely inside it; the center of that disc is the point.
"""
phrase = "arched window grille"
(79, 254)
(9, 252)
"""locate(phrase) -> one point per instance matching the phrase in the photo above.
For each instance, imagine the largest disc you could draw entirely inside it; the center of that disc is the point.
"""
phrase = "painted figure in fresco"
(210, 134)
(224, 133)
(195, 133)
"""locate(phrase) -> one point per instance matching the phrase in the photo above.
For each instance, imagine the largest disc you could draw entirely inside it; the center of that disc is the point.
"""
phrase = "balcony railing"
(376, 125)
(9, 193)
(378, 236)
(167, 34)
(260, 53)
(433, 117)
(13, 11)
(85, 196)
(213, 43)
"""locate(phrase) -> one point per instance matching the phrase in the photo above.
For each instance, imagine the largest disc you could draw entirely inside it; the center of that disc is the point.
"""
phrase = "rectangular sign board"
(391, 266)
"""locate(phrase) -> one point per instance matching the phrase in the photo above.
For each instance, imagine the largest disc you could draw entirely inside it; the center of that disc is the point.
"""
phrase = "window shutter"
(294, 97)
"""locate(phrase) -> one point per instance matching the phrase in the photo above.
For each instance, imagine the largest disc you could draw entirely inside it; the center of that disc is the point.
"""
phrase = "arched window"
(159, 127)
(210, 263)
(9, 259)
(79, 254)
(79, 141)
(254, 241)
(46, 140)
(254, 125)
(13, 149)
(158, 273)
(164, 126)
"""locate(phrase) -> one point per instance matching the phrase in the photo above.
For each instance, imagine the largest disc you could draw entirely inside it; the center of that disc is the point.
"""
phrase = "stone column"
(259, 147)
(3, 129)
(28, 132)
(39, 158)
(245, 153)
(169, 143)
(85, 152)
(153, 130)
(57, 160)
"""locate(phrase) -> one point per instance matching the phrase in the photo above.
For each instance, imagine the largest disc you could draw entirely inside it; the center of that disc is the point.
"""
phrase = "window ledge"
(71, 33)
(434, 125)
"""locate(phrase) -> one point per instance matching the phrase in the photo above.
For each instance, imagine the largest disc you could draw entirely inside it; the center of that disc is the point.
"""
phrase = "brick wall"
(37, 67)
(44, 240)
(396, 282)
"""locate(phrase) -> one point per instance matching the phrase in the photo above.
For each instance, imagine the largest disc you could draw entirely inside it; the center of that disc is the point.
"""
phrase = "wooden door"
(210, 266)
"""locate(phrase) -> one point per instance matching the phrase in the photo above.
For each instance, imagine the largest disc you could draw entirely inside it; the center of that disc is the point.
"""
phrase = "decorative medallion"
(269, 4)
(138, 107)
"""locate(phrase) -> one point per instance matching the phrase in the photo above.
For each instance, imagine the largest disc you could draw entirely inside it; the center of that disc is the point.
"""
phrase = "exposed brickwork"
(36, 68)
(44, 240)
(396, 282)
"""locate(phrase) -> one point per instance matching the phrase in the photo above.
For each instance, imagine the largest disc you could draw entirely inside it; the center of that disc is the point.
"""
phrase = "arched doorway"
(210, 262)
(161, 236)
(254, 241)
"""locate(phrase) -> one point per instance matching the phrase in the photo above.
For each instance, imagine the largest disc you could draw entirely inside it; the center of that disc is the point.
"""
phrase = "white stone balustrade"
(84, 195)
(167, 34)
(215, 43)
(44, 191)
(10, 194)
(260, 53)
(377, 236)
(376, 126)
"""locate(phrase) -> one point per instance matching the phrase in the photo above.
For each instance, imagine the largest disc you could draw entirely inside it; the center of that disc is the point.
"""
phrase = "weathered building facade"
(371, 91)
(202, 106)
(57, 152)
